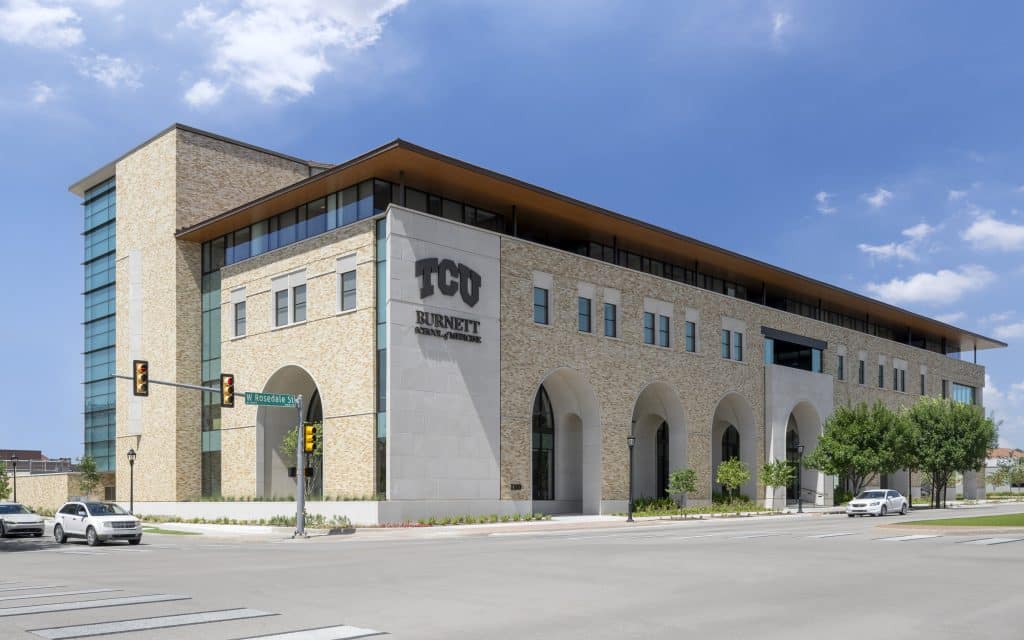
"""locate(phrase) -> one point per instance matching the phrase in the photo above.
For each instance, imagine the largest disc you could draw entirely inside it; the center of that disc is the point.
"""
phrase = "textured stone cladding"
(178, 178)
(619, 369)
(51, 490)
(336, 349)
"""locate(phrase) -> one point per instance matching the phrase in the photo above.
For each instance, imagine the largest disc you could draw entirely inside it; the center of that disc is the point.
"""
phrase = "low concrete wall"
(51, 490)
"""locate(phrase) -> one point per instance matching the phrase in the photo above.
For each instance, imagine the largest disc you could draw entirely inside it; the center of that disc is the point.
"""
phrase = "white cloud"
(989, 233)
(919, 231)
(822, 198)
(879, 198)
(1008, 331)
(942, 287)
(110, 71)
(41, 93)
(277, 48)
(203, 93)
(1008, 409)
(780, 21)
(955, 195)
(31, 23)
(952, 318)
(1020, 189)
(901, 251)
(995, 318)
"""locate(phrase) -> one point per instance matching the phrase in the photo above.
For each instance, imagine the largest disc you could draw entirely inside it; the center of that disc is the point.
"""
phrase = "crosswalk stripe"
(834, 535)
(145, 624)
(87, 604)
(343, 632)
(991, 541)
(908, 538)
(58, 594)
(45, 586)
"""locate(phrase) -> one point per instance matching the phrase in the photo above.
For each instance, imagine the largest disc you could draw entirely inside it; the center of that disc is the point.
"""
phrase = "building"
(470, 343)
(996, 457)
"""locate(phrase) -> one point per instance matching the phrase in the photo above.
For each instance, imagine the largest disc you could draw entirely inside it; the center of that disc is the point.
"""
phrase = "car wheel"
(91, 538)
(135, 540)
(58, 534)
(903, 509)
(3, 531)
(849, 515)
(883, 511)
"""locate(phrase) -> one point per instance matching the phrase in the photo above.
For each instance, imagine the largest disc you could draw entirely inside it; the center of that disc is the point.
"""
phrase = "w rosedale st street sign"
(270, 399)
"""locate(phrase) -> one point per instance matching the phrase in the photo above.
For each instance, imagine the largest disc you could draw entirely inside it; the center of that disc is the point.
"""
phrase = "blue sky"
(876, 146)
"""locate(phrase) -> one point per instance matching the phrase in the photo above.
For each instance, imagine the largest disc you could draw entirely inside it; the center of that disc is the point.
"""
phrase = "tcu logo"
(451, 277)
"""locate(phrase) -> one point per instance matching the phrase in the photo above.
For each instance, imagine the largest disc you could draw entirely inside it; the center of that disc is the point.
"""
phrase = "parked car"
(877, 502)
(97, 522)
(16, 518)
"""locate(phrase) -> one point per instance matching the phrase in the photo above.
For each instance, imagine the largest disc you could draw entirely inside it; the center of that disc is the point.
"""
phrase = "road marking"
(26, 596)
(88, 604)
(45, 586)
(991, 541)
(145, 624)
(86, 553)
(834, 535)
(908, 538)
(343, 632)
(754, 535)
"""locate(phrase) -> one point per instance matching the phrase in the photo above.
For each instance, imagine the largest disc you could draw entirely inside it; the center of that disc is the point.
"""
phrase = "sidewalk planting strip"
(26, 596)
(343, 632)
(146, 624)
(88, 604)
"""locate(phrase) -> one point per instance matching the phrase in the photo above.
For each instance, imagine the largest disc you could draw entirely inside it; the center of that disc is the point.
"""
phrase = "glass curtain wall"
(210, 432)
(100, 212)
(381, 280)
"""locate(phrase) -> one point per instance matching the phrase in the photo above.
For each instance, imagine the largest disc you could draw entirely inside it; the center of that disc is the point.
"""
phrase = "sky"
(875, 146)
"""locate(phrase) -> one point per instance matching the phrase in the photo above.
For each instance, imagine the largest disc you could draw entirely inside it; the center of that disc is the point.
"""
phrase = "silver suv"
(16, 518)
(97, 522)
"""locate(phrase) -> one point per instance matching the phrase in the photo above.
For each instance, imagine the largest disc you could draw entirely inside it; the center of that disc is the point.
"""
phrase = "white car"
(16, 519)
(877, 502)
(97, 522)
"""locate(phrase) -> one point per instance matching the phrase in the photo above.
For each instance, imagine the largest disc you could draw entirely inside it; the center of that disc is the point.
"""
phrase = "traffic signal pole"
(300, 474)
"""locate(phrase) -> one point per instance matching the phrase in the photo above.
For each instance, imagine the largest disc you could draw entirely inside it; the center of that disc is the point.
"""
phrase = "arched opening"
(660, 430)
(566, 445)
(792, 455)
(273, 423)
(803, 429)
(734, 435)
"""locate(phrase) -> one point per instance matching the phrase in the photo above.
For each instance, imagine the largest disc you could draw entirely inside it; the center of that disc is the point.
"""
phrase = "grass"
(169, 532)
(1007, 520)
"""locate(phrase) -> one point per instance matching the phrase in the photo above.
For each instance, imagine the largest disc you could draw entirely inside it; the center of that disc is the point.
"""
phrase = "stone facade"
(49, 491)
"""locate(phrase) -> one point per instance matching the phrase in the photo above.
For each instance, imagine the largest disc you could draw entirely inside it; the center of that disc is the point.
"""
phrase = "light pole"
(131, 481)
(631, 441)
(14, 471)
(799, 472)
(910, 489)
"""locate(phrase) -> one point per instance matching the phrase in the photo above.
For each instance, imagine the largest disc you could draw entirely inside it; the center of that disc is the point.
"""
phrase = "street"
(766, 577)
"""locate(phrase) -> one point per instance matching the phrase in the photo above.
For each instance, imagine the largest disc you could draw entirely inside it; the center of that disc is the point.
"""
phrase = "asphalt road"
(778, 577)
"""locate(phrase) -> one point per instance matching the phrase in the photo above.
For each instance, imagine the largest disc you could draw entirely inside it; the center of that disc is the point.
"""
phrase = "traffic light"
(227, 390)
(140, 372)
(309, 438)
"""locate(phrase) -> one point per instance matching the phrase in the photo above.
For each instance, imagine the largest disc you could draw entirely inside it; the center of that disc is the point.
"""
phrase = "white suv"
(96, 522)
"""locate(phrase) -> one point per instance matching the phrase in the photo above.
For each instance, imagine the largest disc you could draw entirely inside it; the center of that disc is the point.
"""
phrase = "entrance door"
(661, 456)
(792, 440)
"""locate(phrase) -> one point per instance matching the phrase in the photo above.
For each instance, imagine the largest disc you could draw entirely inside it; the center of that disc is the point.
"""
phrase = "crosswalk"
(65, 601)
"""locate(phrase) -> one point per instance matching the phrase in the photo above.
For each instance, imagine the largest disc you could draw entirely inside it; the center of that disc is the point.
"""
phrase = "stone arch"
(657, 409)
(805, 423)
(576, 464)
(734, 412)
(272, 423)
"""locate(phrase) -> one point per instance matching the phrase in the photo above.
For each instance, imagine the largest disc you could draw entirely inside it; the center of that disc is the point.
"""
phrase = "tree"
(857, 444)
(732, 474)
(314, 460)
(777, 474)
(89, 477)
(1009, 471)
(950, 436)
(5, 484)
(682, 482)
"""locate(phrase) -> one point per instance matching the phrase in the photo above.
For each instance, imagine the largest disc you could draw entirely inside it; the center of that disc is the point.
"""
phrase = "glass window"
(664, 326)
(648, 328)
(99, 333)
(963, 393)
(415, 199)
(816, 360)
(381, 195)
(348, 290)
(333, 218)
(365, 199)
(840, 373)
(860, 372)
(287, 232)
(737, 346)
(260, 240)
(349, 205)
(895, 379)
(611, 320)
(881, 376)
(945, 389)
(100, 241)
(691, 337)
(922, 385)
(583, 313)
(240, 318)
(540, 305)
(99, 272)
(316, 217)
(451, 210)
(903, 380)
(281, 308)
(543, 447)
(299, 303)
(100, 303)
(726, 347)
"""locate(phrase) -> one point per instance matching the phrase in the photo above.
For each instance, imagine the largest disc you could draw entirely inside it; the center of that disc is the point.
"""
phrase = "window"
(963, 393)
(923, 388)
(725, 344)
(648, 327)
(347, 282)
(895, 379)
(903, 380)
(737, 346)
(611, 326)
(540, 305)
(769, 351)
(543, 447)
(945, 389)
(881, 376)
(839, 368)
(240, 318)
(281, 308)
(664, 331)
(583, 308)
(691, 336)
(299, 303)
(860, 373)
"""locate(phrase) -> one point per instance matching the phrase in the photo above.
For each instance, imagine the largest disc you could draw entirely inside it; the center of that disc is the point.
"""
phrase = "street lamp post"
(799, 473)
(631, 441)
(14, 472)
(910, 489)
(131, 481)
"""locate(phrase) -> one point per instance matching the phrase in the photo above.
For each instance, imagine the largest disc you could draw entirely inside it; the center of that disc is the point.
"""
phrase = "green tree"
(315, 460)
(5, 483)
(681, 482)
(89, 477)
(777, 474)
(857, 443)
(732, 474)
(1009, 471)
(950, 437)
